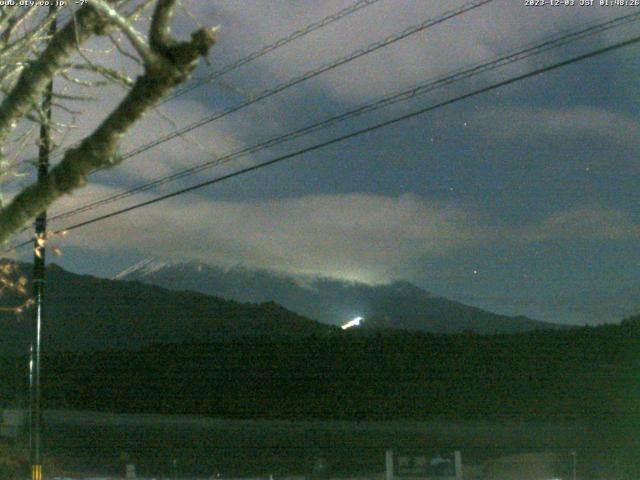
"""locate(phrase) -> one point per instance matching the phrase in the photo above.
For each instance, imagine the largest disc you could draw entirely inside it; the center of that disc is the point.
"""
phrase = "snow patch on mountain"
(144, 268)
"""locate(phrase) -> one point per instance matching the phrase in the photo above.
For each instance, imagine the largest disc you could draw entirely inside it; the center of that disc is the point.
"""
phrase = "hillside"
(582, 373)
(89, 313)
(398, 305)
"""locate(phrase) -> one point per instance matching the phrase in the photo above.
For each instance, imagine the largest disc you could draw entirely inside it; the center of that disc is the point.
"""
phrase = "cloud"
(556, 124)
(458, 42)
(358, 236)
(607, 303)
(479, 34)
(401, 64)
(183, 151)
(581, 223)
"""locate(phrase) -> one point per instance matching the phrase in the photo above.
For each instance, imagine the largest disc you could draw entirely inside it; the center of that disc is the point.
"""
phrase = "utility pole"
(39, 280)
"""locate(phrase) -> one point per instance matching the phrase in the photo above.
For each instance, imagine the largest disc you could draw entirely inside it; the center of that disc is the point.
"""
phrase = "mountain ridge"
(399, 304)
(84, 313)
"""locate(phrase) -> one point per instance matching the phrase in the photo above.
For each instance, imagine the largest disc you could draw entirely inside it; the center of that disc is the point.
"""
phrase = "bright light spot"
(475, 272)
(353, 323)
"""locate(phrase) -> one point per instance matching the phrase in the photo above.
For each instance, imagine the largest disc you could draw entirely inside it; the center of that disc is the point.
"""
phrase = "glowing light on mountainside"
(353, 323)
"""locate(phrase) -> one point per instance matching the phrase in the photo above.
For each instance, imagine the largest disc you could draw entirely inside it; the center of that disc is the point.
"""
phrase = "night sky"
(522, 200)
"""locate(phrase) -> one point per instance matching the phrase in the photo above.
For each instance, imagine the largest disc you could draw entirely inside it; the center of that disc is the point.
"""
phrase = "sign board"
(424, 465)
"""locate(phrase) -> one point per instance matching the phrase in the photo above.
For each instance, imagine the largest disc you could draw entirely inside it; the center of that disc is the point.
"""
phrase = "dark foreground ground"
(100, 443)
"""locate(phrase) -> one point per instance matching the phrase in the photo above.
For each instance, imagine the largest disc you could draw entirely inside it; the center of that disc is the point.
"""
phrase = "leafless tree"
(31, 56)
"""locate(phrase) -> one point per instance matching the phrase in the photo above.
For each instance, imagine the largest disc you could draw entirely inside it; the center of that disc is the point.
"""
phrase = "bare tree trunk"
(166, 62)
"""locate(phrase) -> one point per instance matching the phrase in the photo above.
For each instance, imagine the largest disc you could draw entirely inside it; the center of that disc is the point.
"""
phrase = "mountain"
(397, 305)
(88, 313)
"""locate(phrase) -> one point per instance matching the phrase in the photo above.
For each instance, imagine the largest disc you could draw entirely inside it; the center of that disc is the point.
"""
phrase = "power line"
(360, 4)
(270, 48)
(314, 73)
(514, 56)
(342, 138)
(308, 75)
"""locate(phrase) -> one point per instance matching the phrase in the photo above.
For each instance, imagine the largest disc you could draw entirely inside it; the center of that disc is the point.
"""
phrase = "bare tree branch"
(135, 37)
(107, 73)
(13, 23)
(171, 65)
(123, 51)
(37, 75)
(140, 8)
(160, 34)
